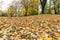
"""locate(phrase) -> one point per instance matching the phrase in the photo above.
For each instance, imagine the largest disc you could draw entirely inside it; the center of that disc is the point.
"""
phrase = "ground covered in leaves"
(31, 27)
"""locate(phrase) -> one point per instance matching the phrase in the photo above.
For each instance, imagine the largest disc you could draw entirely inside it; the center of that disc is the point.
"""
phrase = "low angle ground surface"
(31, 27)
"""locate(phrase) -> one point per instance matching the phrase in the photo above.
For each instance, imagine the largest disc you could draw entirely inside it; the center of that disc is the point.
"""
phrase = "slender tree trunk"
(55, 10)
(58, 7)
(54, 2)
(26, 12)
(50, 6)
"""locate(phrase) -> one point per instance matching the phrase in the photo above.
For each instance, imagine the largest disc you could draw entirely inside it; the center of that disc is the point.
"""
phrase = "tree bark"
(43, 3)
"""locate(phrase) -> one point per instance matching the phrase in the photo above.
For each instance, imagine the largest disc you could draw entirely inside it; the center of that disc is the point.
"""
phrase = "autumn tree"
(25, 5)
(55, 6)
(50, 6)
(11, 11)
(33, 7)
(22, 11)
(17, 5)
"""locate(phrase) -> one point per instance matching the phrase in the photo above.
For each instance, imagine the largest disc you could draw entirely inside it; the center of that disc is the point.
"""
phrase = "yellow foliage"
(31, 7)
(33, 30)
(29, 11)
(42, 37)
(50, 38)
(58, 38)
(23, 11)
(11, 11)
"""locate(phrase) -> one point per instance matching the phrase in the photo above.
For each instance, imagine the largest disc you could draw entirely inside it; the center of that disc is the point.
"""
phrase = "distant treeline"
(32, 7)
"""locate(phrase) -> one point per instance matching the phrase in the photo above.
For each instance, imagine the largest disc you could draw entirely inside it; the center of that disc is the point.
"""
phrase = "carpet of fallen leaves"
(31, 27)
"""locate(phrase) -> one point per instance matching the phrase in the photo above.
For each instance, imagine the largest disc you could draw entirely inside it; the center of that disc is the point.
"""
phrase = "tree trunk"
(42, 9)
(50, 7)
(43, 3)
(55, 8)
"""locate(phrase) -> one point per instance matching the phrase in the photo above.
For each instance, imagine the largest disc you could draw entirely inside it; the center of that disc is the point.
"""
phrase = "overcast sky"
(5, 4)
